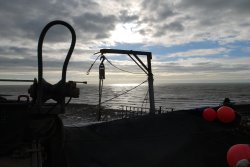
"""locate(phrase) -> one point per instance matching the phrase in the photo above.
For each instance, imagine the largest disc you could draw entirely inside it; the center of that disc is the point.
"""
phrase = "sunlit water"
(177, 96)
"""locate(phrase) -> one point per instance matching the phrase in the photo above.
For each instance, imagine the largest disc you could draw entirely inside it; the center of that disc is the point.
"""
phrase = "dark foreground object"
(181, 138)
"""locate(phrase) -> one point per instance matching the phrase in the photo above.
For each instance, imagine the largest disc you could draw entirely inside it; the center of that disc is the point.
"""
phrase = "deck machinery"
(31, 130)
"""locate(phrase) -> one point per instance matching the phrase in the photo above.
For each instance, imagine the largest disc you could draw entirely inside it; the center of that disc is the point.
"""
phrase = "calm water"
(177, 96)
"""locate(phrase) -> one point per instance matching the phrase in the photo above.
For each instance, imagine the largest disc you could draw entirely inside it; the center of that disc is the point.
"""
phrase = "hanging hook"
(102, 68)
(102, 58)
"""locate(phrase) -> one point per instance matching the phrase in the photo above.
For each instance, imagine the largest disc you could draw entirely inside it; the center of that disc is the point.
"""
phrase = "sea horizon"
(172, 95)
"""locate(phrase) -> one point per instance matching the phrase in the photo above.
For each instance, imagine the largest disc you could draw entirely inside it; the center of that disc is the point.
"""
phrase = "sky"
(202, 41)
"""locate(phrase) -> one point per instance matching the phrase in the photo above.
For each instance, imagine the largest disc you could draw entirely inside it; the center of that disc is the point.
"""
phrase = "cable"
(145, 100)
(120, 68)
(124, 92)
(40, 92)
(68, 101)
(100, 99)
(93, 63)
(114, 65)
(100, 89)
(40, 44)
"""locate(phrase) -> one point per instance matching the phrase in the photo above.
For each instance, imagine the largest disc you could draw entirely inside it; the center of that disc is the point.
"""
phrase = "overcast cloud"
(171, 24)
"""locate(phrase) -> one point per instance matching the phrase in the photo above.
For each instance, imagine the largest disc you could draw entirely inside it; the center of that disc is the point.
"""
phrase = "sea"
(179, 96)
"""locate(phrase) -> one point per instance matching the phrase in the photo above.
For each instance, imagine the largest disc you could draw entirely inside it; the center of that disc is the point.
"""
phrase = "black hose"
(40, 60)
(40, 44)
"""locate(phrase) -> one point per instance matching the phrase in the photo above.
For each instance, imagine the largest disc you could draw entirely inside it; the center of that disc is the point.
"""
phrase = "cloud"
(217, 66)
(126, 17)
(159, 10)
(200, 52)
(217, 20)
(21, 25)
(172, 27)
(239, 7)
(147, 22)
(95, 23)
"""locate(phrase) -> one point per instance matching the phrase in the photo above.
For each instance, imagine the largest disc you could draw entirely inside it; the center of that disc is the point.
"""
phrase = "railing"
(131, 112)
(163, 110)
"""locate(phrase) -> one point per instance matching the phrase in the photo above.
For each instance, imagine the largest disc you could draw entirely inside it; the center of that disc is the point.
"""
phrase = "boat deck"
(180, 138)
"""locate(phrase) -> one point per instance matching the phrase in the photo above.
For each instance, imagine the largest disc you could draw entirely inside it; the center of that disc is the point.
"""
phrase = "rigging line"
(100, 99)
(68, 101)
(100, 90)
(145, 99)
(138, 64)
(120, 68)
(124, 92)
(93, 63)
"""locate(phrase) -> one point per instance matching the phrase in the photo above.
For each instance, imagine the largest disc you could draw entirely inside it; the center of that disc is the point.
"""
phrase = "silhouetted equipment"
(41, 90)
(16, 80)
(32, 132)
(29, 80)
(146, 68)
(102, 68)
(83, 82)
(33, 127)
(101, 78)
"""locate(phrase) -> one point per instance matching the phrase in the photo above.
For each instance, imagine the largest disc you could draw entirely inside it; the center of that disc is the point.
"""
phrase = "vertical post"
(98, 115)
(126, 112)
(159, 112)
(151, 85)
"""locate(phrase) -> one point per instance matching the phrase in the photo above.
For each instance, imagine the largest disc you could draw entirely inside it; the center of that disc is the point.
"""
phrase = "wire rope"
(93, 63)
(145, 100)
(125, 92)
(120, 68)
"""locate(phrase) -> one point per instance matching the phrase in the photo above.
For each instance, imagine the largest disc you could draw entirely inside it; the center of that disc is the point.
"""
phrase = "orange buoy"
(209, 114)
(226, 114)
(236, 153)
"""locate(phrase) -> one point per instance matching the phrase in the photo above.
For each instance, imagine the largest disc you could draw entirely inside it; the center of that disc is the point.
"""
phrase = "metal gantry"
(146, 68)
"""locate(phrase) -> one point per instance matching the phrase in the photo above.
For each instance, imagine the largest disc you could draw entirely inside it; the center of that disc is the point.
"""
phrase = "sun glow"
(126, 33)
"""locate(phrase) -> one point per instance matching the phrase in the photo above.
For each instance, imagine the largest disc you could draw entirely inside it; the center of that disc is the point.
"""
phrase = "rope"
(100, 99)
(145, 100)
(120, 68)
(100, 90)
(93, 63)
(125, 92)
(68, 101)
(114, 65)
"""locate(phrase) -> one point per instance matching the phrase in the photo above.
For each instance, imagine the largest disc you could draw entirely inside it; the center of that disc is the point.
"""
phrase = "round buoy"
(226, 114)
(236, 153)
(209, 114)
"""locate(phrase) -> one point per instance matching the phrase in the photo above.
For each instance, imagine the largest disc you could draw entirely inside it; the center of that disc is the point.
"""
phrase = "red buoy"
(226, 114)
(236, 153)
(209, 114)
